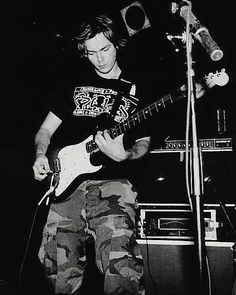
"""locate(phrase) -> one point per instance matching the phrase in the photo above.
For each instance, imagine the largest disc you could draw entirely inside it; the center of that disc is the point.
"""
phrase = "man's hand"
(113, 148)
(41, 167)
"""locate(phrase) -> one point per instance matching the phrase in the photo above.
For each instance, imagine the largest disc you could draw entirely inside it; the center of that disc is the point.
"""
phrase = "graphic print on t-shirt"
(93, 101)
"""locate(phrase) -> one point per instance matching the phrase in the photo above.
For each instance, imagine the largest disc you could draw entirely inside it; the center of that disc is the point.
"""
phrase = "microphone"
(202, 34)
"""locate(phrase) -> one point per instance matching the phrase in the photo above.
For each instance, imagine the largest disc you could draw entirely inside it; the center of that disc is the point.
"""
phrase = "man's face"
(101, 53)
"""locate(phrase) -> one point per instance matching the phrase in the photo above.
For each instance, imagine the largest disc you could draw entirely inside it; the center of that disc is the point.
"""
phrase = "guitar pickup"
(56, 165)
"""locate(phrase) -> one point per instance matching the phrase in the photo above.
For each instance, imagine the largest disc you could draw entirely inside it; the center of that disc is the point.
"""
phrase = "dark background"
(38, 53)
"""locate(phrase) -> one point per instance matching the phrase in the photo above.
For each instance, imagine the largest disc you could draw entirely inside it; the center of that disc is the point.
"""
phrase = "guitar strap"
(123, 89)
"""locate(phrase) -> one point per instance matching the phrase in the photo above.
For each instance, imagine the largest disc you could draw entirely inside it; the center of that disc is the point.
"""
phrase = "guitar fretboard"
(139, 117)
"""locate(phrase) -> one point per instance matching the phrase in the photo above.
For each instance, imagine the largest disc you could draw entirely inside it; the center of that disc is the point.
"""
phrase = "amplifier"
(176, 221)
(206, 144)
(170, 267)
(163, 177)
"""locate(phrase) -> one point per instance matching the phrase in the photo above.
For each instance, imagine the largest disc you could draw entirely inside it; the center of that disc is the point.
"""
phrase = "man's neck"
(113, 74)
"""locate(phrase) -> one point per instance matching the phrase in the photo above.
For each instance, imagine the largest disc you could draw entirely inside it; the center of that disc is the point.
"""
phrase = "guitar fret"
(143, 113)
(133, 120)
(170, 98)
(149, 110)
(163, 103)
(156, 107)
(138, 118)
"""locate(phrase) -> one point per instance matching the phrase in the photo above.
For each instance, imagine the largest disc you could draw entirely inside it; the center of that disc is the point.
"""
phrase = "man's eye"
(90, 53)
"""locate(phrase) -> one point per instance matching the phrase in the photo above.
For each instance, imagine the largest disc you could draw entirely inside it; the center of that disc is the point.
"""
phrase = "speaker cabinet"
(162, 180)
(169, 267)
(135, 17)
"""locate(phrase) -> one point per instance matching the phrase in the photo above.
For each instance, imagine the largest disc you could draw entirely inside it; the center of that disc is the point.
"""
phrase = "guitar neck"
(140, 117)
(219, 78)
(144, 114)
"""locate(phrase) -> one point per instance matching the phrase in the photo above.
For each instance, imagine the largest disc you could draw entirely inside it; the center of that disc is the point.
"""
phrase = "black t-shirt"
(93, 103)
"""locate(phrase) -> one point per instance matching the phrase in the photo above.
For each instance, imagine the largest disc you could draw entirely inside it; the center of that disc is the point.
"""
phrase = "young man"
(103, 204)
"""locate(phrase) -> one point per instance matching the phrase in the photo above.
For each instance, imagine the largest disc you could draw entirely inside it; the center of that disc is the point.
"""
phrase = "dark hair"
(100, 24)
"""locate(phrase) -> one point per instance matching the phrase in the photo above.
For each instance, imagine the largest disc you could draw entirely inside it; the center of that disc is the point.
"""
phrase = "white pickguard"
(74, 161)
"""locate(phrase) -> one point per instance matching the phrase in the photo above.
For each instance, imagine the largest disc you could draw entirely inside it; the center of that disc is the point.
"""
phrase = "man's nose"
(99, 57)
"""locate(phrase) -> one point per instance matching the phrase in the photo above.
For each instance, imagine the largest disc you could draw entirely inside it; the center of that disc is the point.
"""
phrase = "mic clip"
(174, 39)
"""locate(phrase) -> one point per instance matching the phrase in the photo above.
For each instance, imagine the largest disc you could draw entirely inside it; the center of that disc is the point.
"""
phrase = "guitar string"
(121, 128)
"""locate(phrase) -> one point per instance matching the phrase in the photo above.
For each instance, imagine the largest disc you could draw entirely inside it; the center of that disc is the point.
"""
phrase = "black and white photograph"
(118, 147)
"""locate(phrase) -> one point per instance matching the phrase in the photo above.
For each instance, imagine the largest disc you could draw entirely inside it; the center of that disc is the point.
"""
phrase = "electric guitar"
(72, 162)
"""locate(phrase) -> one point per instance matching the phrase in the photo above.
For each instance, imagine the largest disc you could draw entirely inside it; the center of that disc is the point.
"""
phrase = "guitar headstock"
(219, 78)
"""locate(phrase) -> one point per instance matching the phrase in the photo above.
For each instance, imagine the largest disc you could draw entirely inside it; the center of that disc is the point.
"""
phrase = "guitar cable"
(46, 195)
(26, 252)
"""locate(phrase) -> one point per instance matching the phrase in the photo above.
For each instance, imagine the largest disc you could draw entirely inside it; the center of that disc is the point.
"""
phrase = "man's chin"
(103, 70)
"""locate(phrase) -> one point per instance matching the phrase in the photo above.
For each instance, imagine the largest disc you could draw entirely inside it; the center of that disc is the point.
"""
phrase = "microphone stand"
(233, 229)
(196, 174)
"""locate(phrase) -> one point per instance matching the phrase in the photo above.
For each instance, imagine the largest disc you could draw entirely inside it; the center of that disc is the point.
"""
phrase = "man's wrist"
(127, 156)
(40, 154)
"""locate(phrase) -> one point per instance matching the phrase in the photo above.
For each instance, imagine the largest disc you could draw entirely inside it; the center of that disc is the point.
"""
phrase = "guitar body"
(74, 161)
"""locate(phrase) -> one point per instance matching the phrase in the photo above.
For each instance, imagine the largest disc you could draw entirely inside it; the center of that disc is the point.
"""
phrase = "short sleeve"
(60, 105)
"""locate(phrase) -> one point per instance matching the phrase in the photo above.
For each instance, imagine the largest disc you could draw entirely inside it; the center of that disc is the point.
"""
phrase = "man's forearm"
(139, 149)
(42, 141)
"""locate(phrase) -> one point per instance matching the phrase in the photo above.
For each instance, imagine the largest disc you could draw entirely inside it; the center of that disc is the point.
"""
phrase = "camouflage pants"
(104, 210)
